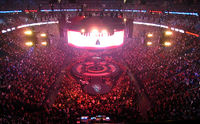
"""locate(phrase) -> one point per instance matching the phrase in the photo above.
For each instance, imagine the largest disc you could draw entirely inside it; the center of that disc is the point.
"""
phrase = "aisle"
(54, 89)
(143, 103)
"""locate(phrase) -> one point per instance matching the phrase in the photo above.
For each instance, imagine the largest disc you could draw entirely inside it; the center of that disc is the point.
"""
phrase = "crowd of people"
(184, 22)
(25, 79)
(10, 46)
(169, 76)
(119, 104)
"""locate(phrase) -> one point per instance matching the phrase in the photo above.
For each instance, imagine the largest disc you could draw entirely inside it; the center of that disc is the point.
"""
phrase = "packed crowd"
(167, 74)
(119, 104)
(184, 22)
(169, 77)
(25, 79)
(10, 46)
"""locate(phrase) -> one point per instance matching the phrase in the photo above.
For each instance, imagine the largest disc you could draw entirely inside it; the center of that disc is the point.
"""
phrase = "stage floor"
(96, 75)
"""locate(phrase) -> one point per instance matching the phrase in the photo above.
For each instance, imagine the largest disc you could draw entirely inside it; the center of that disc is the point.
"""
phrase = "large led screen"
(95, 39)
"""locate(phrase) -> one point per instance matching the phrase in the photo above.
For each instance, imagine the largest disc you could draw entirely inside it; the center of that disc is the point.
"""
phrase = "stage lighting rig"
(149, 43)
(168, 33)
(82, 30)
(44, 43)
(167, 43)
(125, 20)
(30, 37)
(149, 35)
(43, 39)
(166, 38)
(149, 39)
(43, 35)
(96, 32)
(104, 31)
(28, 32)
(29, 43)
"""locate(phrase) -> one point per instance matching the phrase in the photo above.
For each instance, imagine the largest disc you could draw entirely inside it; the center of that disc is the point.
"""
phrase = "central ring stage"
(96, 75)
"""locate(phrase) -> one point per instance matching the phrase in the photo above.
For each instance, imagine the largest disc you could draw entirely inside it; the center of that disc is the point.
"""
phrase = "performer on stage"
(97, 42)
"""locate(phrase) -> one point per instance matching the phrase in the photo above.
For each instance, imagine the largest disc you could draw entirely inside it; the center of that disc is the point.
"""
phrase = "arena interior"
(99, 61)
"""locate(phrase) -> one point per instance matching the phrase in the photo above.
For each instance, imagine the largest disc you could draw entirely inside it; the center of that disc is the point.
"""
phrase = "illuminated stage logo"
(95, 39)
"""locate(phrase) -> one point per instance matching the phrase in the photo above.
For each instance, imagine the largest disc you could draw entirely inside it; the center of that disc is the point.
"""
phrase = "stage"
(96, 75)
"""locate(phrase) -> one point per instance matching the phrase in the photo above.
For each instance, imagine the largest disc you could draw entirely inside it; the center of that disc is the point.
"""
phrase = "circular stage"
(96, 75)
(95, 67)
